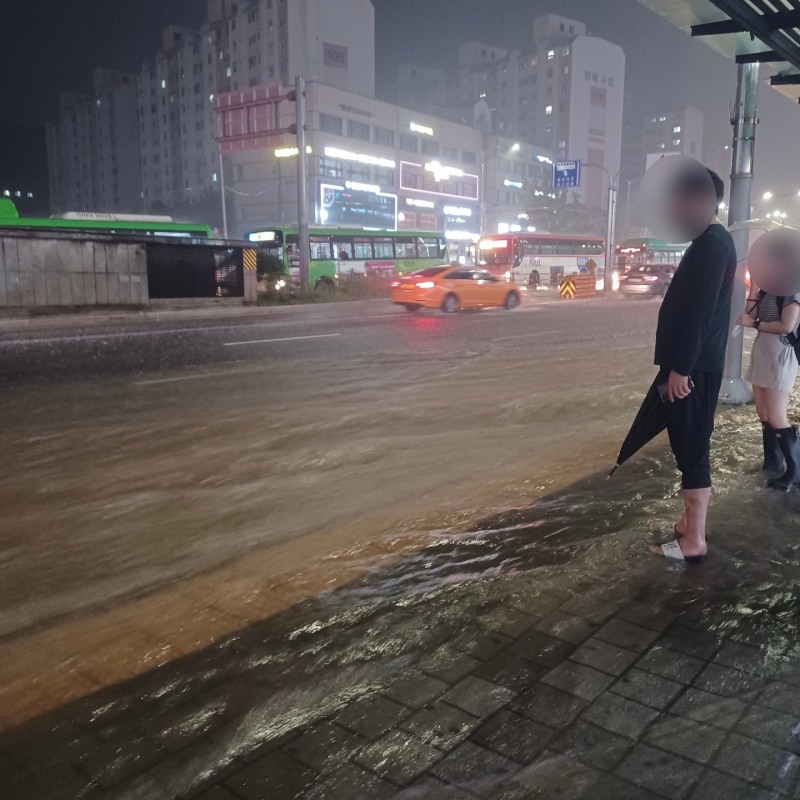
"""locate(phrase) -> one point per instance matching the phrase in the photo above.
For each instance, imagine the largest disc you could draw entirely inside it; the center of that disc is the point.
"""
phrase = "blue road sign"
(566, 174)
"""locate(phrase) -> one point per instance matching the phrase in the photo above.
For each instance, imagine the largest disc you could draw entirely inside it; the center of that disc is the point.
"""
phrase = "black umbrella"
(649, 422)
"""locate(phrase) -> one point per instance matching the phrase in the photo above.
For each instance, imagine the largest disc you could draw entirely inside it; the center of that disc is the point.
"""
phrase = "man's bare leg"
(692, 525)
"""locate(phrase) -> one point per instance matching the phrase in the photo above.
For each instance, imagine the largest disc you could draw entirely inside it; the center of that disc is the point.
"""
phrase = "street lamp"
(767, 196)
(490, 145)
(608, 277)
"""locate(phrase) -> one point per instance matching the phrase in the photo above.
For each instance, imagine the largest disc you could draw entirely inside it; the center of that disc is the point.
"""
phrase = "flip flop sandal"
(673, 550)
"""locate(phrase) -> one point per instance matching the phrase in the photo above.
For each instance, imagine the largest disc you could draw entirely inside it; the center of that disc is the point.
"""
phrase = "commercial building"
(93, 150)
(374, 164)
(565, 94)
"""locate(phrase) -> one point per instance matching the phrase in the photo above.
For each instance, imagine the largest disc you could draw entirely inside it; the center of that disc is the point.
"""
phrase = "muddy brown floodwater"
(145, 519)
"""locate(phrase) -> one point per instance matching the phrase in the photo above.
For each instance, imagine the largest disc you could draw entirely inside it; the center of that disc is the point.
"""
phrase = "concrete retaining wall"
(46, 269)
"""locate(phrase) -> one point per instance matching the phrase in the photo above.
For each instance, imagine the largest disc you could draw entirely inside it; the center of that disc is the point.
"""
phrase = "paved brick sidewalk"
(601, 695)
(588, 677)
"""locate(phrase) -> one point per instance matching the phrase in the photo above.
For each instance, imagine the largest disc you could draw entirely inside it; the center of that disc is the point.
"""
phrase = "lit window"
(662, 119)
(548, 110)
(676, 142)
(163, 84)
(676, 129)
(551, 54)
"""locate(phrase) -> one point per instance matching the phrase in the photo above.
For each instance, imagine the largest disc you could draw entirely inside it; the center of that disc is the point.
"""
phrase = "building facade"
(147, 142)
(673, 133)
(242, 44)
(375, 164)
(93, 150)
(564, 94)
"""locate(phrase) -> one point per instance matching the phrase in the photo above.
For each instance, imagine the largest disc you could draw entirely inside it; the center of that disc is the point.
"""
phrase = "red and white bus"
(522, 257)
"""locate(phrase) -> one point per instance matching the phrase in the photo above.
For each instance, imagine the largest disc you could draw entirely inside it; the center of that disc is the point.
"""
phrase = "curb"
(83, 319)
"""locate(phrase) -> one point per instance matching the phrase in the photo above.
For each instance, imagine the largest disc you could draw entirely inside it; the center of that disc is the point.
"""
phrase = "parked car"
(647, 280)
(453, 288)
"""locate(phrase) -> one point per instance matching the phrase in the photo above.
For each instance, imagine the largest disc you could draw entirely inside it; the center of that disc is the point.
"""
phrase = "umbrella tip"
(613, 470)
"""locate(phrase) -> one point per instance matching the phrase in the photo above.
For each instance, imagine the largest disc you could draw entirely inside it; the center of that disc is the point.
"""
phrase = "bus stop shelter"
(752, 33)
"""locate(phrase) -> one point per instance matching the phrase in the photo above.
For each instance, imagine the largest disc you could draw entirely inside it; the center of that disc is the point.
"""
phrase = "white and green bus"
(343, 252)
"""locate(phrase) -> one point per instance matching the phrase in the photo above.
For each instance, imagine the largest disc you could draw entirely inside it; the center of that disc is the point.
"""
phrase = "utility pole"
(608, 271)
(303, 239)
(222, 196)
(744, 120)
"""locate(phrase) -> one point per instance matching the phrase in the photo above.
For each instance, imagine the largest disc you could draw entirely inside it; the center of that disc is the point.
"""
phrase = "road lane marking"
(522, 336)
(285, 339)
(199, 376)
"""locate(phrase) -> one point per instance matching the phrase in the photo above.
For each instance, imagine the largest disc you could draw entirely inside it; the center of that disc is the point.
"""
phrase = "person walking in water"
(772, 372)
(690, 346)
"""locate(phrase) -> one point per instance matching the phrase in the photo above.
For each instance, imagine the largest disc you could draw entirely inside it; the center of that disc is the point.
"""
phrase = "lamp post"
(222, 196)
(611, 222)
(494, 149)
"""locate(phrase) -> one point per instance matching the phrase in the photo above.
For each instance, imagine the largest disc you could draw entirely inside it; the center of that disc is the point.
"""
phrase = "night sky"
(50, 46)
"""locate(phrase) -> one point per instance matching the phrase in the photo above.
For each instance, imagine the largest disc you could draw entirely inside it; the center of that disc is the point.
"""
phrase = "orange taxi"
(452, 288)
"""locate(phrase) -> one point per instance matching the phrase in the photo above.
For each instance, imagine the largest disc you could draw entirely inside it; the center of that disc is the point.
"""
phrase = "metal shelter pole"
(303, 240)
(744, 120)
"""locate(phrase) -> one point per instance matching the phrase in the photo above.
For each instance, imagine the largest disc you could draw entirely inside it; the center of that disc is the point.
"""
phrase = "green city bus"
(342, 252)
(640, 252)
(90, 222)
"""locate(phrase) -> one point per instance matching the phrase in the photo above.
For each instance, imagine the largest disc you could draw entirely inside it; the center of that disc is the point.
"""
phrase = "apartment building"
(564, 93)
(242, 44)
(93, 150)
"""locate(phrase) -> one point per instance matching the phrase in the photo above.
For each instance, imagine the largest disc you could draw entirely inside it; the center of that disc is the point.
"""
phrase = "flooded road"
(213, 575)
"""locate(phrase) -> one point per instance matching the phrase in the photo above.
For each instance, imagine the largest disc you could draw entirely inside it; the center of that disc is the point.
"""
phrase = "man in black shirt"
(690, 346)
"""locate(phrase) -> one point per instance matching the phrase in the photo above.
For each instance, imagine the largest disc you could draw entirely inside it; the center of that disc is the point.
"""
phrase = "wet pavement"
(537, 652)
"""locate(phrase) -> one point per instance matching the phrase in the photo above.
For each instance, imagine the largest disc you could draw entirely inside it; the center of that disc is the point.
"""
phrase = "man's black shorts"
(690, 423)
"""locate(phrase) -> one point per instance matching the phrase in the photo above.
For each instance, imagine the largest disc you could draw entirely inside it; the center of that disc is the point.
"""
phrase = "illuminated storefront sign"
(442, 173)
(350, 205)
(288, 152)
(457, 211)
(428, 131)
(438, 180)
(512, 184)
(413, 201)
(363, 187)
(361, 158)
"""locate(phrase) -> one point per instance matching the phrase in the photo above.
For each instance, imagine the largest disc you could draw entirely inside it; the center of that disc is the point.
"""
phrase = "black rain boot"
(789, 441)
(773, 457)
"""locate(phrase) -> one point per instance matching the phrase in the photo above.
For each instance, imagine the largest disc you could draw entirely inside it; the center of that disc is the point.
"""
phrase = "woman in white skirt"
(772, 372)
